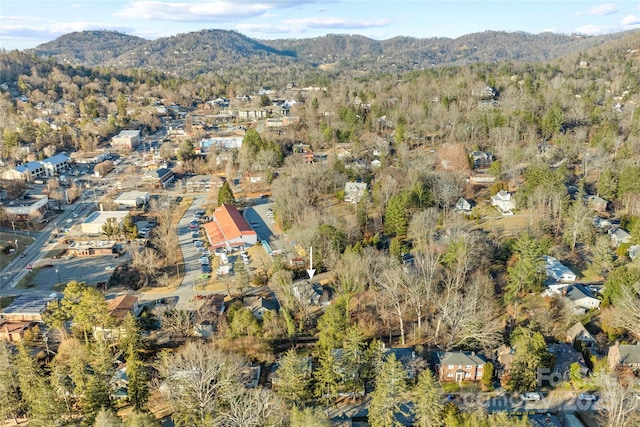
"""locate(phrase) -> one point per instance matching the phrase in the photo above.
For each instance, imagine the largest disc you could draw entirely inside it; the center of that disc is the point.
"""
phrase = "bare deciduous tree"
(197, 379)
(618, 399)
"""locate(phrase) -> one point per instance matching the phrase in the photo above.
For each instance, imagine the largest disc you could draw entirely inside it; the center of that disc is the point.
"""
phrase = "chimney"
(101, 208)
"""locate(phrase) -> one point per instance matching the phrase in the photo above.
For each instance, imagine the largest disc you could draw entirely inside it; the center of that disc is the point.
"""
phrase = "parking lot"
(92, 270)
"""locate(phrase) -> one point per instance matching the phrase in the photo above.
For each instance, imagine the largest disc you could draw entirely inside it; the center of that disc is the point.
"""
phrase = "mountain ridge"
(205, 50)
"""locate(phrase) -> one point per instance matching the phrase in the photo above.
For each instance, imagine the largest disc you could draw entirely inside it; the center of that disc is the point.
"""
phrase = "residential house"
(260, 305)
(504, 202)
(309, 293)
(564, 355)
(126, 140)
(14, 331)
(624, 356)
(597, 203)
(354, 191)
(229, 229)
(459, 366)
(463, 206)
(481, 159)
(580, 298)
(411, 362)
(619, 236)
(132, 199)
(94, 223)
(558, 271)
(55, 164)
(118, 308)
(504, 356)
(28, 172)
(579, 334)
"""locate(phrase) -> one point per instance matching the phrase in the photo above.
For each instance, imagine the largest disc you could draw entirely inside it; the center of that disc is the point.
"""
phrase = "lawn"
(9, 239)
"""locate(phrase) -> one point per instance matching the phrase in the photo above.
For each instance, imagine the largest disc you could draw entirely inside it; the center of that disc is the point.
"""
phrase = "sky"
(25, 24)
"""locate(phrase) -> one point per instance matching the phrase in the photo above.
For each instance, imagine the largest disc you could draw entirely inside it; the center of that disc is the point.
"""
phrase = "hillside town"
(352, 253)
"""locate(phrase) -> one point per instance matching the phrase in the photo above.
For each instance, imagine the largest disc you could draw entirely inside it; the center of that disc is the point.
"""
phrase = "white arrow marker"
(311, 271)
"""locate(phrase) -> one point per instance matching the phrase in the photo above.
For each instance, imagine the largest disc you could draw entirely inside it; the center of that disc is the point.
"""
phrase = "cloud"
(603, 9)
(202, 11)
(630, 20)
(595, 30)
(42, 30)
(302, 25)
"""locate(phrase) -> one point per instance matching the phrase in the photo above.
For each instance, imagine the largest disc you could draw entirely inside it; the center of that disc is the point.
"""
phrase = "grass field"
(9, 239)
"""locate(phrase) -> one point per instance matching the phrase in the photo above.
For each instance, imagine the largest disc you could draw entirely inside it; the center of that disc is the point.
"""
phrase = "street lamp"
(58, 273)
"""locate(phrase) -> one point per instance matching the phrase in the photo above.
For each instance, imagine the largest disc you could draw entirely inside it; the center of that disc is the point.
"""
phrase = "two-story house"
(459, 366)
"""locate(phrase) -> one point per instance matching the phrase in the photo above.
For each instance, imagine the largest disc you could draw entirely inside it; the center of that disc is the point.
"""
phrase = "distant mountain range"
(210, 50)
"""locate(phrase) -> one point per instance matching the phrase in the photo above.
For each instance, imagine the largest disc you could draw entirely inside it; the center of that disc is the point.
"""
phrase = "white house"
(580, 298)
(353, 191)
(558, 271)
(463, 206)
(504, 202)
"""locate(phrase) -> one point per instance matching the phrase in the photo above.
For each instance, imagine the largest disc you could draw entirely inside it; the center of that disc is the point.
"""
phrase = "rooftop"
(228, 224)
(28, 304)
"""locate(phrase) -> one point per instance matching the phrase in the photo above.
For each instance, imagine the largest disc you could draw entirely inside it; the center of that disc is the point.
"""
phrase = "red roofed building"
(229, 229)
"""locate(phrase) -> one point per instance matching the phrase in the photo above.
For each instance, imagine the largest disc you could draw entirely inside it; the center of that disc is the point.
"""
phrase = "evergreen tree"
(309, 417)
(131, 343)
(43, 407)
(530, 354)
(225, 195)
(97, 398)
(328, 380)
(106, 418)
(293, 378)
(141, 419)
(526, 270)
(10, 402)
(386, 397)
(428, 401)
(332, 326)
(396, 218)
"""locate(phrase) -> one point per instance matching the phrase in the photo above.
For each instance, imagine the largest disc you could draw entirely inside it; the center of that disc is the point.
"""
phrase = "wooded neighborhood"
(450, 245)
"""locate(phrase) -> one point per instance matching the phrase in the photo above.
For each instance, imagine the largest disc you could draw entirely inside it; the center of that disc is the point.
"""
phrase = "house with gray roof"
(578, 333)
(459, 366)
(580, 298)
(564, 356)
(624, 355)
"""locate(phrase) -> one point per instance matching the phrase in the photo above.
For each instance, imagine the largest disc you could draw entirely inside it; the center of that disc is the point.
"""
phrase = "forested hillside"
(218, 50)
(413, 214)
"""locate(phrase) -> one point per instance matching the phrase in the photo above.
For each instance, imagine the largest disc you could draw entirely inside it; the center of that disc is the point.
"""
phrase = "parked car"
(587, 396)
(204, 276)
(195, 234)
(532, 396)
(205, 268)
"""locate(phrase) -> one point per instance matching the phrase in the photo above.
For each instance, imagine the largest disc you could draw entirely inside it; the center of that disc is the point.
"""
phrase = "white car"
(531, 396)
(587, 396)
(109, 267)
